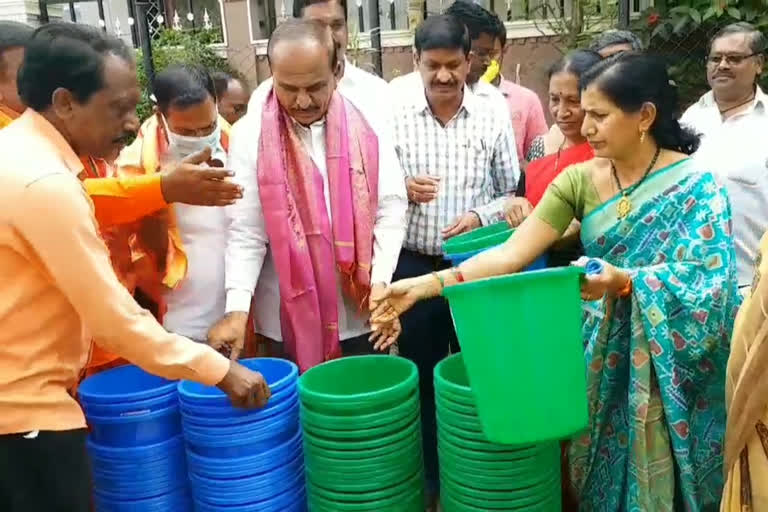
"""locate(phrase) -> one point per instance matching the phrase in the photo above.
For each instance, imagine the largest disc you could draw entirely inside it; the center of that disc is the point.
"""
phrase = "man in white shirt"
(459, 156)
(410, 86)
(733, 121)
(186, 242)
(322, 217)
(368, 92)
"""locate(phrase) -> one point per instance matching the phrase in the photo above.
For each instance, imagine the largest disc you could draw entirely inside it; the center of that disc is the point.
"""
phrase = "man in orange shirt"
(57, 286)
(118, 200)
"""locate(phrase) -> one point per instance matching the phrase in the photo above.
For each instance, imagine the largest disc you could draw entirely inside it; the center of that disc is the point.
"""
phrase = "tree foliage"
(681, 32)
(178, 47)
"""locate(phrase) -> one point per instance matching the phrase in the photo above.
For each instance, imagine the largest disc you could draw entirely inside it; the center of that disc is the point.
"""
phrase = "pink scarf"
(306, 248)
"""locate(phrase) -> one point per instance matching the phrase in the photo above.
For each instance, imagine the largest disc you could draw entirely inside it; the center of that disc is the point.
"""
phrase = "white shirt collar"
(760, 103)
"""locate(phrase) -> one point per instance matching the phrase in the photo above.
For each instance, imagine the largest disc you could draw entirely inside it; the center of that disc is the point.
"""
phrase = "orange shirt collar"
(39, 127)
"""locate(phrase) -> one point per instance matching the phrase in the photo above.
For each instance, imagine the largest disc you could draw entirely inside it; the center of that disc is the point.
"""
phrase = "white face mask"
(181, 146)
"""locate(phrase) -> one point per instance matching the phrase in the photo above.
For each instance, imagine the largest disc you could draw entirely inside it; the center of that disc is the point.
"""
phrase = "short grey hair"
(614, 37)
(756, 38)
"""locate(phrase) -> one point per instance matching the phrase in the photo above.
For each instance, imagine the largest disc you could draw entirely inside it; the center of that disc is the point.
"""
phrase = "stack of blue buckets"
(243, 461)
(135, 444)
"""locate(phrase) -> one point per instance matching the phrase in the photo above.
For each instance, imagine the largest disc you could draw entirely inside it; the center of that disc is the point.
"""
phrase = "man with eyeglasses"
(733, 120)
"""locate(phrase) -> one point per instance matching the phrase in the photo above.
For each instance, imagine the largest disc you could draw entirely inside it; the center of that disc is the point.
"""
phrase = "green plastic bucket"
(478, 244)
(475, 234)
(450, 504)
(503, 500)
(377, 488)
(510, 344)
(396, 425)
(458, 407)
(340, 452)
(412, 500)
(358, 385)
(362, 421)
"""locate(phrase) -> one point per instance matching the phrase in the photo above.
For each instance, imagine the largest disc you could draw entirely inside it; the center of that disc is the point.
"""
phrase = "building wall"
(534, 55)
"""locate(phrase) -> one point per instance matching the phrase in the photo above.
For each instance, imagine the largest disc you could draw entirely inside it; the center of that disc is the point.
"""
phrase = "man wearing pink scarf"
(323, 212)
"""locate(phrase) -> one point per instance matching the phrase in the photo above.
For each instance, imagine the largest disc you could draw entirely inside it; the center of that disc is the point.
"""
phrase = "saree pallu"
(656, 360)
(540, 173)
(746, 392)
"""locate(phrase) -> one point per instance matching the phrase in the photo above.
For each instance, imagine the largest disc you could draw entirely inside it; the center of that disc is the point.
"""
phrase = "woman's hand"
(516, 210)
(608, 282)
(400, 296)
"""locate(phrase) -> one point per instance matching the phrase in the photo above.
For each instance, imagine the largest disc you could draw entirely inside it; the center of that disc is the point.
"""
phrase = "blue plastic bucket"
(136, 429)
(131, 408)
(279, 503)
(123, 384)
(177, 501)
(279, 374)
(199, 415)
(248, 443)
(295, 501)
(243, 466)
(249, 489)
(157, 451)
(255, 428)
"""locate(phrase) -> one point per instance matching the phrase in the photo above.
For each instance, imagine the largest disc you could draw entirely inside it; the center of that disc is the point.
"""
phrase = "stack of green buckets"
(477, 475)
(362, 435)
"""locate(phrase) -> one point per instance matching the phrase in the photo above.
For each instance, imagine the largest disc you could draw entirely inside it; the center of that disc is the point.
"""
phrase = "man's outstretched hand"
(193, 181)
(245, 388)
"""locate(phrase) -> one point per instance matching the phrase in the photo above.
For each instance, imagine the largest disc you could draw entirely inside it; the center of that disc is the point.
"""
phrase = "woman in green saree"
(657, 345)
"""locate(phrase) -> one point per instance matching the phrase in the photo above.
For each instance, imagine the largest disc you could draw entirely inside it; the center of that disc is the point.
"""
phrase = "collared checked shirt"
(473, 154)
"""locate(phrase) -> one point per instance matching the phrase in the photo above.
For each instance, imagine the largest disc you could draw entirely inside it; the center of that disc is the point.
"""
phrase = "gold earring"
(642, 137)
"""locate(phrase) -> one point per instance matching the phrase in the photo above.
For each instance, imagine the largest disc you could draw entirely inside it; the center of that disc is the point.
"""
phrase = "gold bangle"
(440, 280)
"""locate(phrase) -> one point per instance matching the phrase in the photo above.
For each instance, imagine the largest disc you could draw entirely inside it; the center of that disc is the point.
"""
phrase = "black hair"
(501, 31)
(477, 19)
(576, 62)
(614, 37)
(442, 32)
(300, 5)
(221, 82)
(631, 80)
(302, 30)
(13, 35)
(69, 56)
(182, 86)
(757, 41)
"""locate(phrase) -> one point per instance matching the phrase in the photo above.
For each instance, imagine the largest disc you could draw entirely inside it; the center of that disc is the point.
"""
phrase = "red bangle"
(457, 274)
(626, 290)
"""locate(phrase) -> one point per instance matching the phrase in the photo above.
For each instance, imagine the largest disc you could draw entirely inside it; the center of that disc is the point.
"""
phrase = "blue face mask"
(181, 146)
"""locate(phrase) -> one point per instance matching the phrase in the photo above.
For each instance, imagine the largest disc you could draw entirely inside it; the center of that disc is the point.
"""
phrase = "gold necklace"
(624, 206)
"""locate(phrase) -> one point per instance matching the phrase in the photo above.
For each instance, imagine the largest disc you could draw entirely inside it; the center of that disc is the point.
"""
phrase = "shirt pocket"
(479, 159)
(751, 171)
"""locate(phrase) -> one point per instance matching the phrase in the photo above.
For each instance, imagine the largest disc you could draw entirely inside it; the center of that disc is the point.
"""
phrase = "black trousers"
(428, 337)
(47, 473)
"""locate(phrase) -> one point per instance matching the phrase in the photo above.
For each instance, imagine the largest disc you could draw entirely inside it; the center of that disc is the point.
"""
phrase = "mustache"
(125, 138)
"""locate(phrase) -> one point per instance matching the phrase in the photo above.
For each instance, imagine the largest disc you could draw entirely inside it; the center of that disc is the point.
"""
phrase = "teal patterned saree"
(656, 360)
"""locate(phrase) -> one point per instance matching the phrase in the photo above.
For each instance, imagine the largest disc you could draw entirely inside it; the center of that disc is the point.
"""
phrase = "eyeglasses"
(731, 60)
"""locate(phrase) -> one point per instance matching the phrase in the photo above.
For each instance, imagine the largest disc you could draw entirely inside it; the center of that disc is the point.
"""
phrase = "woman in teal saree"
(657, 337)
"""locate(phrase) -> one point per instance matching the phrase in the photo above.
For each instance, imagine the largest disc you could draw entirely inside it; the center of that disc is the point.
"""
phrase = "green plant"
(682, 32)
(576, 28)
(178, 47)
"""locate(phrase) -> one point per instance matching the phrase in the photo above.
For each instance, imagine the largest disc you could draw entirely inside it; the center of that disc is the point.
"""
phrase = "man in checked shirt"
(459, 157)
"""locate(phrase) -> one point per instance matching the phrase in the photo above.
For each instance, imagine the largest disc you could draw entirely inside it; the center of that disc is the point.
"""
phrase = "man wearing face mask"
(180, 250)
(323, 212)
